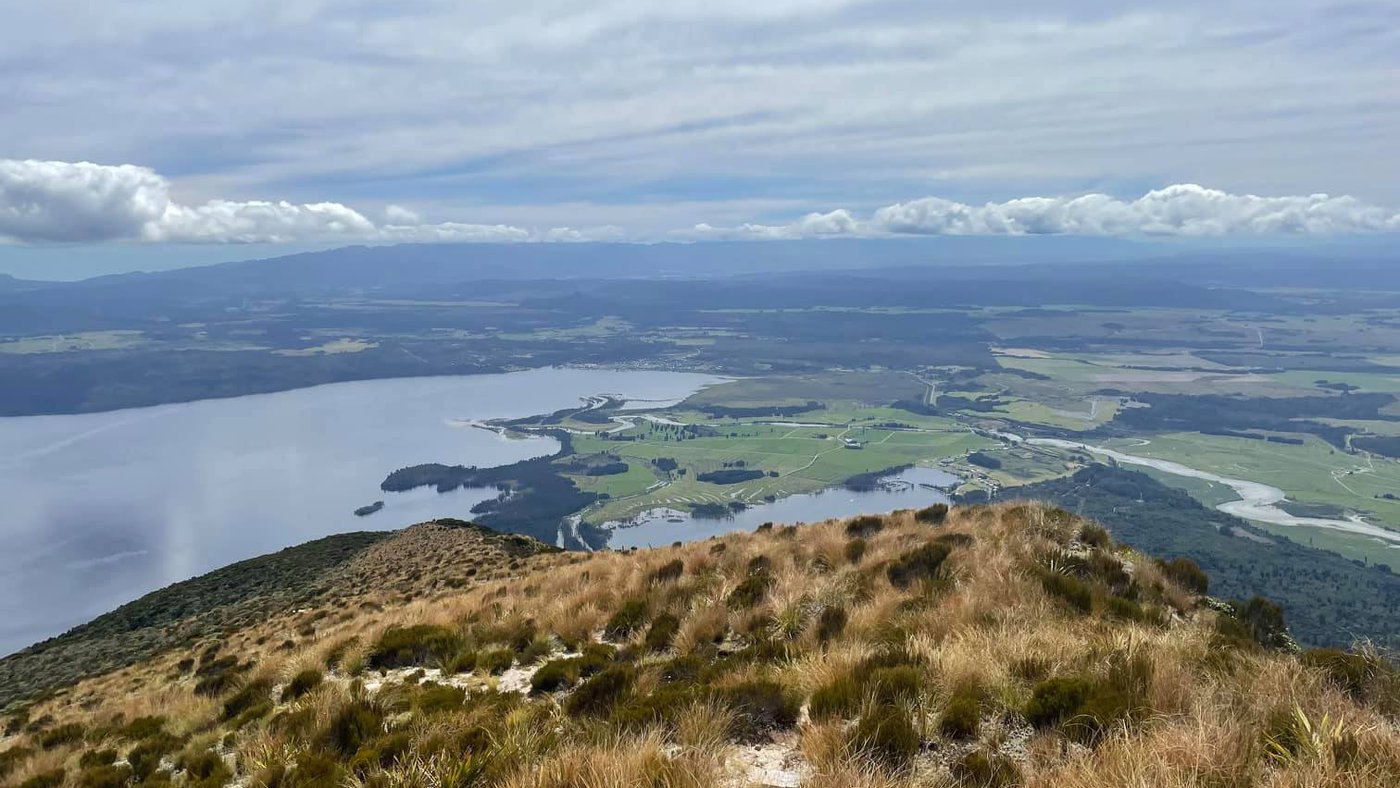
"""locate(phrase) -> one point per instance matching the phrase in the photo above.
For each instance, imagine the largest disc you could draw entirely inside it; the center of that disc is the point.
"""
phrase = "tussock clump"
(358, 723)
(46, 779)
(759, 708)
(962, 717)
(917, 565)
(629, 618)
(885, 735)
(11, 758)
(980, 769)
(830, 623)
(302, 683)
(599, 694)
(67, 733)
(416, 645)
(855, 550)
(662, 632)
(1185, 573)
(865, 526)
(750, 592)
(668, 572)
(932, 515)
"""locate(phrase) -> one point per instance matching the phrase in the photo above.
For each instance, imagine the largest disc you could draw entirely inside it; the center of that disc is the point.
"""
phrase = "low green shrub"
(759, 708)
(439, 698)
(830, 623)
(106, 776)
(839, 698)
(600, 693)
(962, 717)
(204, 770)
(1095, 535)
(381, 753)
(11, 759)
(955, 540)
(145, 757)
(855, 550)
(463, 661)
(1069, 589)
(252, 694)
(420, 644)
(555, 675)
(662, 631)
(1125, 609)
(49, 779)
(1351, 673)
(352, 727)
(142, 728)
(932, 515)
(1186, 573)
(63, 734)
(865, 526)
(93, 758)
(885, 735)
(301, 683)
(538, 648)
(896, 684)
(1055, 700)
(668, 572)
(628, 618)
(979, 769)
(916, 565)
(750, 592)
(496, 662)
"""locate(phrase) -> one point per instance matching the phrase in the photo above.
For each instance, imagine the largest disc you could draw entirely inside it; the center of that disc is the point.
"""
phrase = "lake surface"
(912, 489)
(101, 508)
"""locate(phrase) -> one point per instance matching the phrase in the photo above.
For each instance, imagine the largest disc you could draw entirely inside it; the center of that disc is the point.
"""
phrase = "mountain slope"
(1002, 645)
(1328, 600)
(323, 573)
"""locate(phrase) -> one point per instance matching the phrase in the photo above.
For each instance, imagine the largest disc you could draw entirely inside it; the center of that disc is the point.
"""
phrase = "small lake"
(101, 508)
(912, 489)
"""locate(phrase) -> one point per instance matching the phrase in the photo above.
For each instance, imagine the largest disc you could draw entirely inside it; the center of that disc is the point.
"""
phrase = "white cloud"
(48, 201)
(62, 201)
(1178, 210)
(397, 214)
(54, 201)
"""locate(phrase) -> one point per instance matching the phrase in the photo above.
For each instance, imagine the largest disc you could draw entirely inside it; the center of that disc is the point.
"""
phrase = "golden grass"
(981, 623)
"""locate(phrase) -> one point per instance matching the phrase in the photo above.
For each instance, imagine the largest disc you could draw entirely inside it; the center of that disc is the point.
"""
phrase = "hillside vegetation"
(1002, 645)
(322, 574)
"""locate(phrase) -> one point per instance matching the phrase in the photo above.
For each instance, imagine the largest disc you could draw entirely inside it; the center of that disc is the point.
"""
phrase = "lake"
(915, 488)
(101, 508)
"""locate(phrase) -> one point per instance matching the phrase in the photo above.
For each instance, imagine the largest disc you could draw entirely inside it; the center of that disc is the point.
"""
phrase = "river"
(1257, 501)
(101, 508)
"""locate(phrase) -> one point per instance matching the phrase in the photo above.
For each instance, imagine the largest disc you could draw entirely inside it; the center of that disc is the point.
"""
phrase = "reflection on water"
(912, 489)
(101, 508)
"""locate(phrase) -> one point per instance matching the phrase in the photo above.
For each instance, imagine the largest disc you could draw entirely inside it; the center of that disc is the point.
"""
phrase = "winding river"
(1257, 501)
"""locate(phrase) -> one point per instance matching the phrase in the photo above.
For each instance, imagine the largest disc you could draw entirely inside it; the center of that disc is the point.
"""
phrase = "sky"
(140, 130)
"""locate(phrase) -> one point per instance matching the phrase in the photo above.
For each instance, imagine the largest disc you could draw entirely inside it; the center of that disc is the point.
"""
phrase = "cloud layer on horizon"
(82, 202)
(633, 112)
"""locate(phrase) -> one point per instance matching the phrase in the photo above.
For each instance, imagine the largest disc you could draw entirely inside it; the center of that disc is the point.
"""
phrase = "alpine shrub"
(885, 735)
(916, 565)
(932, 515)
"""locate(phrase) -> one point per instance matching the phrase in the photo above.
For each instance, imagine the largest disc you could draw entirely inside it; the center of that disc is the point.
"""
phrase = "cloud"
(638, 102)
(62, 201)
(397, 214)
(54, 201)
(51, 201)
(1178, 210)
